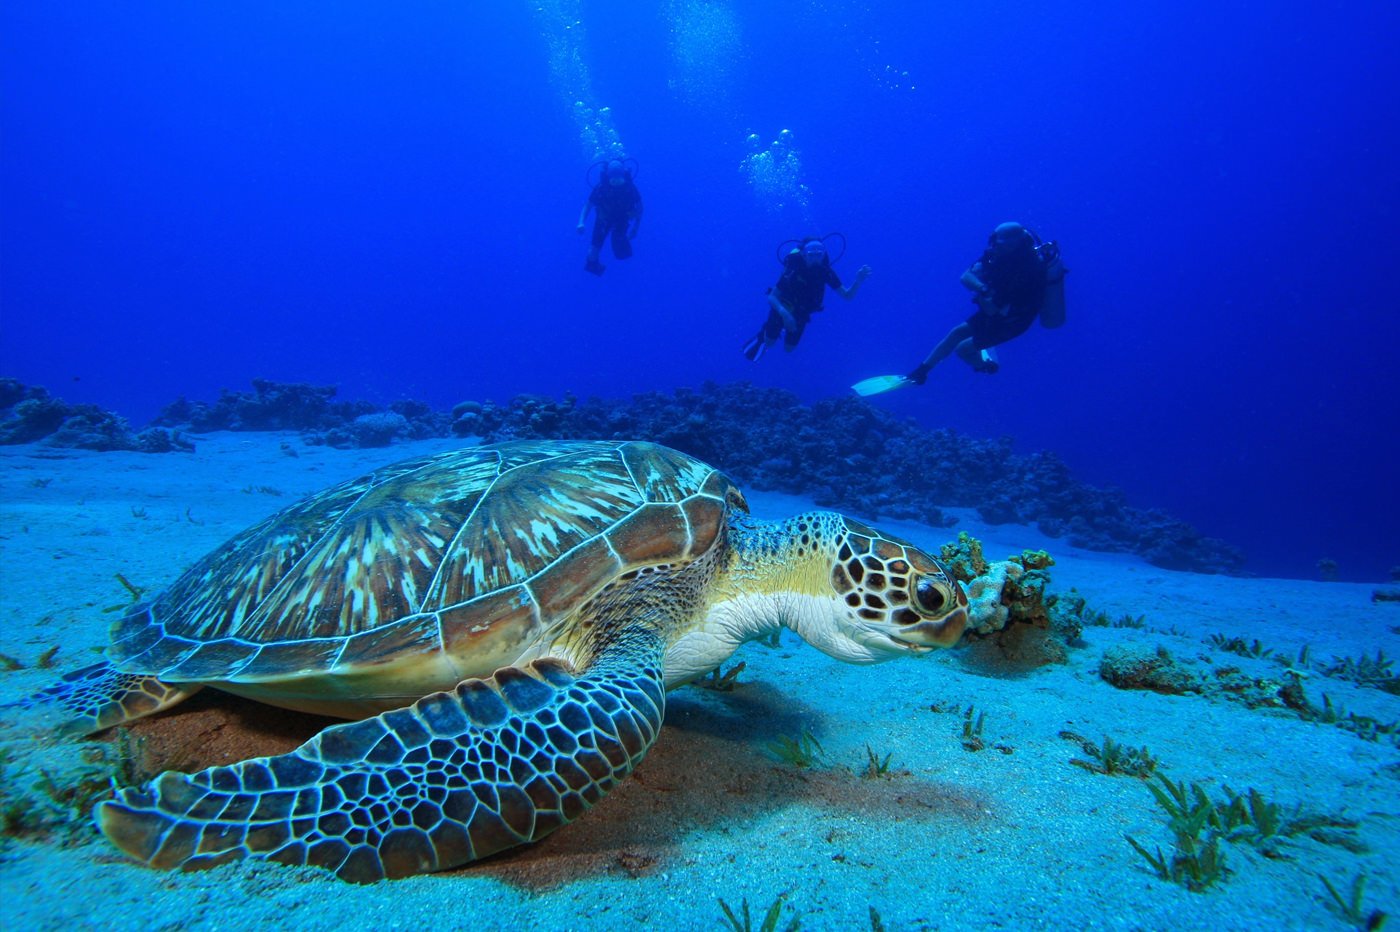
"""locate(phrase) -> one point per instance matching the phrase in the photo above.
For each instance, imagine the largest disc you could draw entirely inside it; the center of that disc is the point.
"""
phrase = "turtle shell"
(423, 573)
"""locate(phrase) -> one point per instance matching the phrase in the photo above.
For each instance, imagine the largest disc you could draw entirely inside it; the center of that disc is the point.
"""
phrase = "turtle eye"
(929, 596)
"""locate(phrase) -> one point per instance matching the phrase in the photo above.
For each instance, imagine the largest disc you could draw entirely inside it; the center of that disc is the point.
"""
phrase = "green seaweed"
(1199, 823)
(1363, 726)
(1238, 645)
(1094, 619)
(1196, 862)
(1374, 672)
(1252, 818)
(770, 918)
(132, 589)
(1114, 759)
(972, 730)
(1302, 663)
(1189, 808)
(1351, 907)
(875, 765)
(34, 802)
(803, 751)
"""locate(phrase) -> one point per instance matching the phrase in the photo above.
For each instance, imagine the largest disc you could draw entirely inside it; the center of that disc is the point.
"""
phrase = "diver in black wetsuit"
(1016, 280)
(807, 273)
(619, 212)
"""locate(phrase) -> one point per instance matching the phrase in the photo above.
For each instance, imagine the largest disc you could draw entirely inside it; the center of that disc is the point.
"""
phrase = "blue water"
(384, 197)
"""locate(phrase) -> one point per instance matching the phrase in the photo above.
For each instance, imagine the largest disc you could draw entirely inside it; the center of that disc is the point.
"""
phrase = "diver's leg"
(955, 340)
(980, 359)
(794, 332)
(969, 353)
(768, 331)
(621, 245)
(595, 245)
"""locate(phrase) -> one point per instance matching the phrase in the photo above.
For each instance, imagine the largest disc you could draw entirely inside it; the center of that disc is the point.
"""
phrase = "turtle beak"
(936, 632)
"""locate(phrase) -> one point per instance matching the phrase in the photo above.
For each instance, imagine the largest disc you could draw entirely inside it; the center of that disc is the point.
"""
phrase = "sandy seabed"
(1012, 836)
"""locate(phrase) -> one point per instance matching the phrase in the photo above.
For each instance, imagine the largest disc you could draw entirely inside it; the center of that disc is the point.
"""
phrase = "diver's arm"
(587, 206)
(981, 291)
(636, 215)
(849, 292)
(972, 282)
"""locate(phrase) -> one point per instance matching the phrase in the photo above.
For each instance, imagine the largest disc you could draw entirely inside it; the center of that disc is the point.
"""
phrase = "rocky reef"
(842, 452)
(311, 409)
(30, 414)
(846, 453)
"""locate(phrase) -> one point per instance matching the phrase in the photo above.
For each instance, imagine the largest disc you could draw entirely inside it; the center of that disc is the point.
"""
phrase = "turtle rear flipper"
(100, 696)
(452, 778)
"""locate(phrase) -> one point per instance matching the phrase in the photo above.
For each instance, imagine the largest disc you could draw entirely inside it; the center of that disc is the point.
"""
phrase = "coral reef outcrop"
(1008, 603)
(270, 406)
(29, 414)
(311, 409)
(842, 452)
(1138, 666)
(846, 453)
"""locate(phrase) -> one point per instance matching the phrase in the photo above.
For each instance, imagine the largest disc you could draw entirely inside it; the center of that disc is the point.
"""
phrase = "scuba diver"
(1018, 279)
(807, 271)
(619, 205)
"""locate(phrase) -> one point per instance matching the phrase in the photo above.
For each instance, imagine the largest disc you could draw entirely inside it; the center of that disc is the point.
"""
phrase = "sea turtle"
(503, 623)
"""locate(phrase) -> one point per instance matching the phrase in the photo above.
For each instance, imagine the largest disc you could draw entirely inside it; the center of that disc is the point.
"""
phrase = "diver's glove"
(920, 375)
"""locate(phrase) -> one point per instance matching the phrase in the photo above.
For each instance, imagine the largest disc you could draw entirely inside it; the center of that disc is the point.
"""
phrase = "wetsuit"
(616, 205)
(1017, 282)
(801, 288)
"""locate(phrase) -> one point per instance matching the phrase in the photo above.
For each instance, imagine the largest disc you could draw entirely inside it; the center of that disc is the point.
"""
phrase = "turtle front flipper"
(101, 696)
(452, 778)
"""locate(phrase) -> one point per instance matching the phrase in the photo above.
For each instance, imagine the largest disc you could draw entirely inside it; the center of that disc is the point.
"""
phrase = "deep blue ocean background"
(383, 196)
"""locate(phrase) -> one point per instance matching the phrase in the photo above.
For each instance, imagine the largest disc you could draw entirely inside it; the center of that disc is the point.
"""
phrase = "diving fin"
(753, 350)
(878, 385)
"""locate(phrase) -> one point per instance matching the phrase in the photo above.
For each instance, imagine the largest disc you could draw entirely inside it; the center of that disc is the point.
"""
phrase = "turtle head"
(887, 597)
(853, 592)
